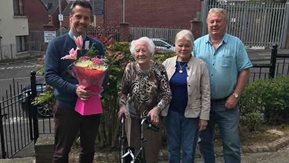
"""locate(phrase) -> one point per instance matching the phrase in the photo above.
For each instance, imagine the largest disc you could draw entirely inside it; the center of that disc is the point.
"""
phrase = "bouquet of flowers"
(89, 70)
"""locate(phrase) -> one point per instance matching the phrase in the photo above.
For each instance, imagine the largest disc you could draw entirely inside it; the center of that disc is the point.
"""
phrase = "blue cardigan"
(56, 69)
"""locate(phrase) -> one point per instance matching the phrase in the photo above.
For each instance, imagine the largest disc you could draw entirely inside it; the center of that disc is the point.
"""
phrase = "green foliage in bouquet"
(92, 52)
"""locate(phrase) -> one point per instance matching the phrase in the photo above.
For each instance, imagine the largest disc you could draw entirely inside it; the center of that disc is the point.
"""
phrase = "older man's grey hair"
(184, 34)
(220, 11)
(150, 45)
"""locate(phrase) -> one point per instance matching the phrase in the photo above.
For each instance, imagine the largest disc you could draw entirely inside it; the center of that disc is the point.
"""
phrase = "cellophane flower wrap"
(90, 71)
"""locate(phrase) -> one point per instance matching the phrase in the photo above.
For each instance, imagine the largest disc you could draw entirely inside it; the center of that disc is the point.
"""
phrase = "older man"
(228, 65)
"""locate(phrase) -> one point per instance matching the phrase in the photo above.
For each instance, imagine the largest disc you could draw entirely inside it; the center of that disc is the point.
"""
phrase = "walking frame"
(130, 154)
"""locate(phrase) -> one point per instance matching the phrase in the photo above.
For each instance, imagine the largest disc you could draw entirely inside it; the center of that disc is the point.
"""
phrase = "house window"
(18, 7)
(21, 43)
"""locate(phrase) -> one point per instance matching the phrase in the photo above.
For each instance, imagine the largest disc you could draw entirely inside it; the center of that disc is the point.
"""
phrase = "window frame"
(18, 8)
(21, 43)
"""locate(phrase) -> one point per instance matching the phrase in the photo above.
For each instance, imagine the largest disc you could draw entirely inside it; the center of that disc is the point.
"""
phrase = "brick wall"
(153, 13)
(112, 12)
(37, 14)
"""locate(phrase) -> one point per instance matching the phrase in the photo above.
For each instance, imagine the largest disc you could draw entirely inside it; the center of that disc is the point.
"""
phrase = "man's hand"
(82, 93)
(231, 102)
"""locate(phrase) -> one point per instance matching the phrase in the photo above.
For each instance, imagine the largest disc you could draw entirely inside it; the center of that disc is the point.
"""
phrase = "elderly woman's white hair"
(150, 44)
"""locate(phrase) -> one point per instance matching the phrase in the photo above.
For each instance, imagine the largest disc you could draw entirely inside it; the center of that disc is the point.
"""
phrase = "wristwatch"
(235, 95)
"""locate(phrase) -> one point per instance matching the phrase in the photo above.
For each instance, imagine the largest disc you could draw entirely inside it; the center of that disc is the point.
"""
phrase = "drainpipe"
(285, 35)
(60, 17)
(204, 12)
(123, 11)
(1, 48)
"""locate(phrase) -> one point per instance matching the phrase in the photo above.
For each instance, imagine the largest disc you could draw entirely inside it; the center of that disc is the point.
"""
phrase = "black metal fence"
(16, 127)
(20, 121)
(278, 66)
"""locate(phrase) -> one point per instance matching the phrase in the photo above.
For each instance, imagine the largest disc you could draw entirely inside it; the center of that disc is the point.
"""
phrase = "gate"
(17, 121)
(256, 24)
(20, 122)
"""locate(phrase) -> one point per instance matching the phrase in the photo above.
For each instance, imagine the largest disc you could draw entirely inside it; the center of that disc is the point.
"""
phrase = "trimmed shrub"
(269, 98)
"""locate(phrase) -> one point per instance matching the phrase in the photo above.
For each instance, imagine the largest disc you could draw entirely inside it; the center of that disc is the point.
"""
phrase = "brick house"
(37, 14)
(42, 12)
(42, 16)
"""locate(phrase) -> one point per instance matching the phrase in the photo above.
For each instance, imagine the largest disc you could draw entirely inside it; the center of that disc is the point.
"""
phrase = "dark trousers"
(68, 125)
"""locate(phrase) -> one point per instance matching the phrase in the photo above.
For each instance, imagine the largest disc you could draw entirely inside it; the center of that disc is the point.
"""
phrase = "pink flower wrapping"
(90, 72)
(92, 79)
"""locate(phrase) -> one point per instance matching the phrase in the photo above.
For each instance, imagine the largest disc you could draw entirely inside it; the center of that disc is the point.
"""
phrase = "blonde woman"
(190, 105)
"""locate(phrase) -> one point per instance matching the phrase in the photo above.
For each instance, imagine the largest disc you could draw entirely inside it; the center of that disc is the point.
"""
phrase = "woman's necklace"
(181, 67)
(182, 63)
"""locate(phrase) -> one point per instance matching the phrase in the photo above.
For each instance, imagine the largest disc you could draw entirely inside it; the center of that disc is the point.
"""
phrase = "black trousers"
(68, 125)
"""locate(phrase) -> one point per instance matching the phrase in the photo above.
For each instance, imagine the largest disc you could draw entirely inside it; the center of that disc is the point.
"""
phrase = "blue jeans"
(182, 135)
(228, 123)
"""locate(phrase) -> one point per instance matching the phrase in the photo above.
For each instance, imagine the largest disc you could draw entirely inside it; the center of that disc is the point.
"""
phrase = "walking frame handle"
(147, 120)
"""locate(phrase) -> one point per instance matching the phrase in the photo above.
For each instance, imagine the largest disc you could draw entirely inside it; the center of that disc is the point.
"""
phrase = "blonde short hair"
(185, 34)
(220, 11)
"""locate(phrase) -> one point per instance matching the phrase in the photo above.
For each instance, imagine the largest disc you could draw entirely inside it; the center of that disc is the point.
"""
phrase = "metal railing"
(278, 66)
(255, 23)
(20, 121)
(165, 33)
(16, 122)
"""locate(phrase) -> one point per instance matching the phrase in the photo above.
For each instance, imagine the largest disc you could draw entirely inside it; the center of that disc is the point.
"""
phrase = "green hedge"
(267, 98)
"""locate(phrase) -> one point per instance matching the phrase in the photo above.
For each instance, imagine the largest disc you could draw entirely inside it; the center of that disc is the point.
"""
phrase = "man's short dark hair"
(83, 4)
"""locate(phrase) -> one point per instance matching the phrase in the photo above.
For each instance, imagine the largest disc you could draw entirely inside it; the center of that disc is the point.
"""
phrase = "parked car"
(163, 46)
(44, 110)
